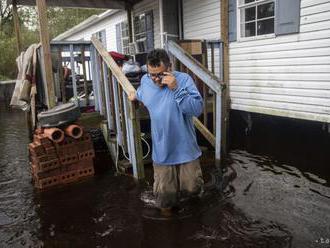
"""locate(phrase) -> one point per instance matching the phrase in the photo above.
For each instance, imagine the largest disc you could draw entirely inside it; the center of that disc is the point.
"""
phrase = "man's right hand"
(132, 96)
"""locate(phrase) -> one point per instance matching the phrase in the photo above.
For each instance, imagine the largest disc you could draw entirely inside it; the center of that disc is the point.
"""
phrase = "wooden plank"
(205, 88)
(61, 74)
(204, 131)
(17, 28)
(117, 72)
(197, 68)
(134, 138)
(112, 100)
(94, 79)
(107, 96)
(213, 98)
(44, 38)
(225, 104)
(82, 51)
(218, 128)
(126, 116)
(123, 118)
(101, 86)
(117, 112)
(73, 76)
(136, 135)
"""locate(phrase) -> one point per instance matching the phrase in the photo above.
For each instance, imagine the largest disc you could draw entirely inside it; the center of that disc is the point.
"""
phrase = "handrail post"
(94, 78)
(107, 96)
(134, 138)
(117, 113)
(218, 121)
(131, 118)
(73, 76)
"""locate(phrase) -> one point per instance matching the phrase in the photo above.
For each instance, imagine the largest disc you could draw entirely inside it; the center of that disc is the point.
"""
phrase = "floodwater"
(271, 203)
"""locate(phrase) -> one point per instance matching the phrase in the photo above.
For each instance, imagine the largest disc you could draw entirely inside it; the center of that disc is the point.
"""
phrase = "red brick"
(87, 154)
(48, 165)
(36, 148)
(69, 159)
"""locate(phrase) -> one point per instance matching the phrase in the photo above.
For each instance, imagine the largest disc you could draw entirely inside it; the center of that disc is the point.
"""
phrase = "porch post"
(17, 28)
(161, 23)
(44, 38)
(129, 21)
(225, 92)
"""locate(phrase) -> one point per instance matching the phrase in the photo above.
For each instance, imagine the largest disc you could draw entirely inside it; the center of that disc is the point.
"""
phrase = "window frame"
(145, 33)
(99, 35)
(122, 38)
(240, 6)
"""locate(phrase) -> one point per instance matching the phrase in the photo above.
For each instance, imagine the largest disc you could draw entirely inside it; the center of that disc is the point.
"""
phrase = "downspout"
(161, 23)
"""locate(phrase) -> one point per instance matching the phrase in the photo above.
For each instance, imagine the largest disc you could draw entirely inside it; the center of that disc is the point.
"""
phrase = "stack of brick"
(60, 162)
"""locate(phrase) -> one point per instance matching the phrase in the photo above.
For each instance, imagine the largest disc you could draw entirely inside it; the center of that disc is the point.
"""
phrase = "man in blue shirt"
(172, 100)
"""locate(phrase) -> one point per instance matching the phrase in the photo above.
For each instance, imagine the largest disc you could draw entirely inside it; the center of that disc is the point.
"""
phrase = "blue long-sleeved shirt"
(171, 111)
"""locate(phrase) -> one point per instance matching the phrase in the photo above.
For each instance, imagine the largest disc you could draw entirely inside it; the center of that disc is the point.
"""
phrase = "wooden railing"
(214, 84)
(111, 98)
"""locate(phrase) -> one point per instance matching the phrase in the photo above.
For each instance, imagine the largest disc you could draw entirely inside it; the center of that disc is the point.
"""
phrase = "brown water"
(270, 204)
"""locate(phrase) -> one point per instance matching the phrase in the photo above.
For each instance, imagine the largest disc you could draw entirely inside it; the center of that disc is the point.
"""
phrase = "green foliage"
(59, 20)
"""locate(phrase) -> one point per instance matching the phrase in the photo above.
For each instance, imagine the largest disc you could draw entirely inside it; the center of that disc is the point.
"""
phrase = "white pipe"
(161, 23)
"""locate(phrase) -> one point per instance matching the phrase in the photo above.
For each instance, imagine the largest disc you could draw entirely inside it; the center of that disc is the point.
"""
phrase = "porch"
(110, 86)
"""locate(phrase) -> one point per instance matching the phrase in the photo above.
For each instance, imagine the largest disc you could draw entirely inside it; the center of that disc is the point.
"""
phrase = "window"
(256, 17)
(101, 36)
(124, 37)
(143, 32)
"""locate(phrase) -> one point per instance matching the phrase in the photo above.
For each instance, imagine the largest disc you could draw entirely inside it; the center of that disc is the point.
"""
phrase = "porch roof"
(97, 4)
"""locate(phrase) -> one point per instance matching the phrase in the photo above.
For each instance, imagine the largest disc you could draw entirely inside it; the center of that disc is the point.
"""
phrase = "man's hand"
(169, 80)
(132, 96)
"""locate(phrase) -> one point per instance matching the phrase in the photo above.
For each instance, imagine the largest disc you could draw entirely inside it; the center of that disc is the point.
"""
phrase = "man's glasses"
(156, 75)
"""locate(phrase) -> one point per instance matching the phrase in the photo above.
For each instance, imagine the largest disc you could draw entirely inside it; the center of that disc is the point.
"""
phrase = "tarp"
(23, 92)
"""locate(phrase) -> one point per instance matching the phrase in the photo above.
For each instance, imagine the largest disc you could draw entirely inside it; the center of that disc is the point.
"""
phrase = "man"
(172, 99)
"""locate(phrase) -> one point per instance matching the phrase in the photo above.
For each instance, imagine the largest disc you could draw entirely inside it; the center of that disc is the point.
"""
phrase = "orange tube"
(54, 134)
(74, 131)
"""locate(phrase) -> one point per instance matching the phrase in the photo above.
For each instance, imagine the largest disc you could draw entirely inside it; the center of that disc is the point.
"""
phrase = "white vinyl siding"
(201, 21)
(145, 6)
(287, 75)
(108, 24)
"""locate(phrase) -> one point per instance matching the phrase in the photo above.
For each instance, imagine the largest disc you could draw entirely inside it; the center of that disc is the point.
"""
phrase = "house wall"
(145, 6)
(287, 75)
(109, 24)
(201, 20)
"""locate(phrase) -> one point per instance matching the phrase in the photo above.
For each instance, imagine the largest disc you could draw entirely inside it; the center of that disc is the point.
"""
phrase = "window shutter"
(232, 20)
(118, 38)
(287, 17)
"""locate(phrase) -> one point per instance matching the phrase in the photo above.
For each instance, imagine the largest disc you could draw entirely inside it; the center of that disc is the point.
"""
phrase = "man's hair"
(156, 56)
